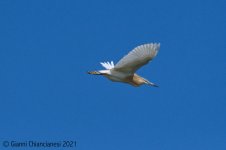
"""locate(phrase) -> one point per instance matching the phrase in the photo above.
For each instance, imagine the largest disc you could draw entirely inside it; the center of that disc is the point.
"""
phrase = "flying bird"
(124, 70)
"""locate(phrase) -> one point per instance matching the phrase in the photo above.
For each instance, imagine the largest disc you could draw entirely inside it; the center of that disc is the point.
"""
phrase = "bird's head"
(94, 72)
(100, 72)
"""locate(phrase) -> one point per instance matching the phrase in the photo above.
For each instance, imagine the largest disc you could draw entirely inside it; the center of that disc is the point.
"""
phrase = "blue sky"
(45, 94)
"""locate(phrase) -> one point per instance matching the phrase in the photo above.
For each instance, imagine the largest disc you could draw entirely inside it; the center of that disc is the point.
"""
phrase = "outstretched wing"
(107, 65)
(138, 57)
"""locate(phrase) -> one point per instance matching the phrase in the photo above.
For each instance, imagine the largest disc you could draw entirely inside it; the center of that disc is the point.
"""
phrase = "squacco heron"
(124, 70)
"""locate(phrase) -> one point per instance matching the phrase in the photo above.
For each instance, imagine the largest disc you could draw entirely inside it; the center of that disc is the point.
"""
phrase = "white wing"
(107, 65)
(138, 57)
